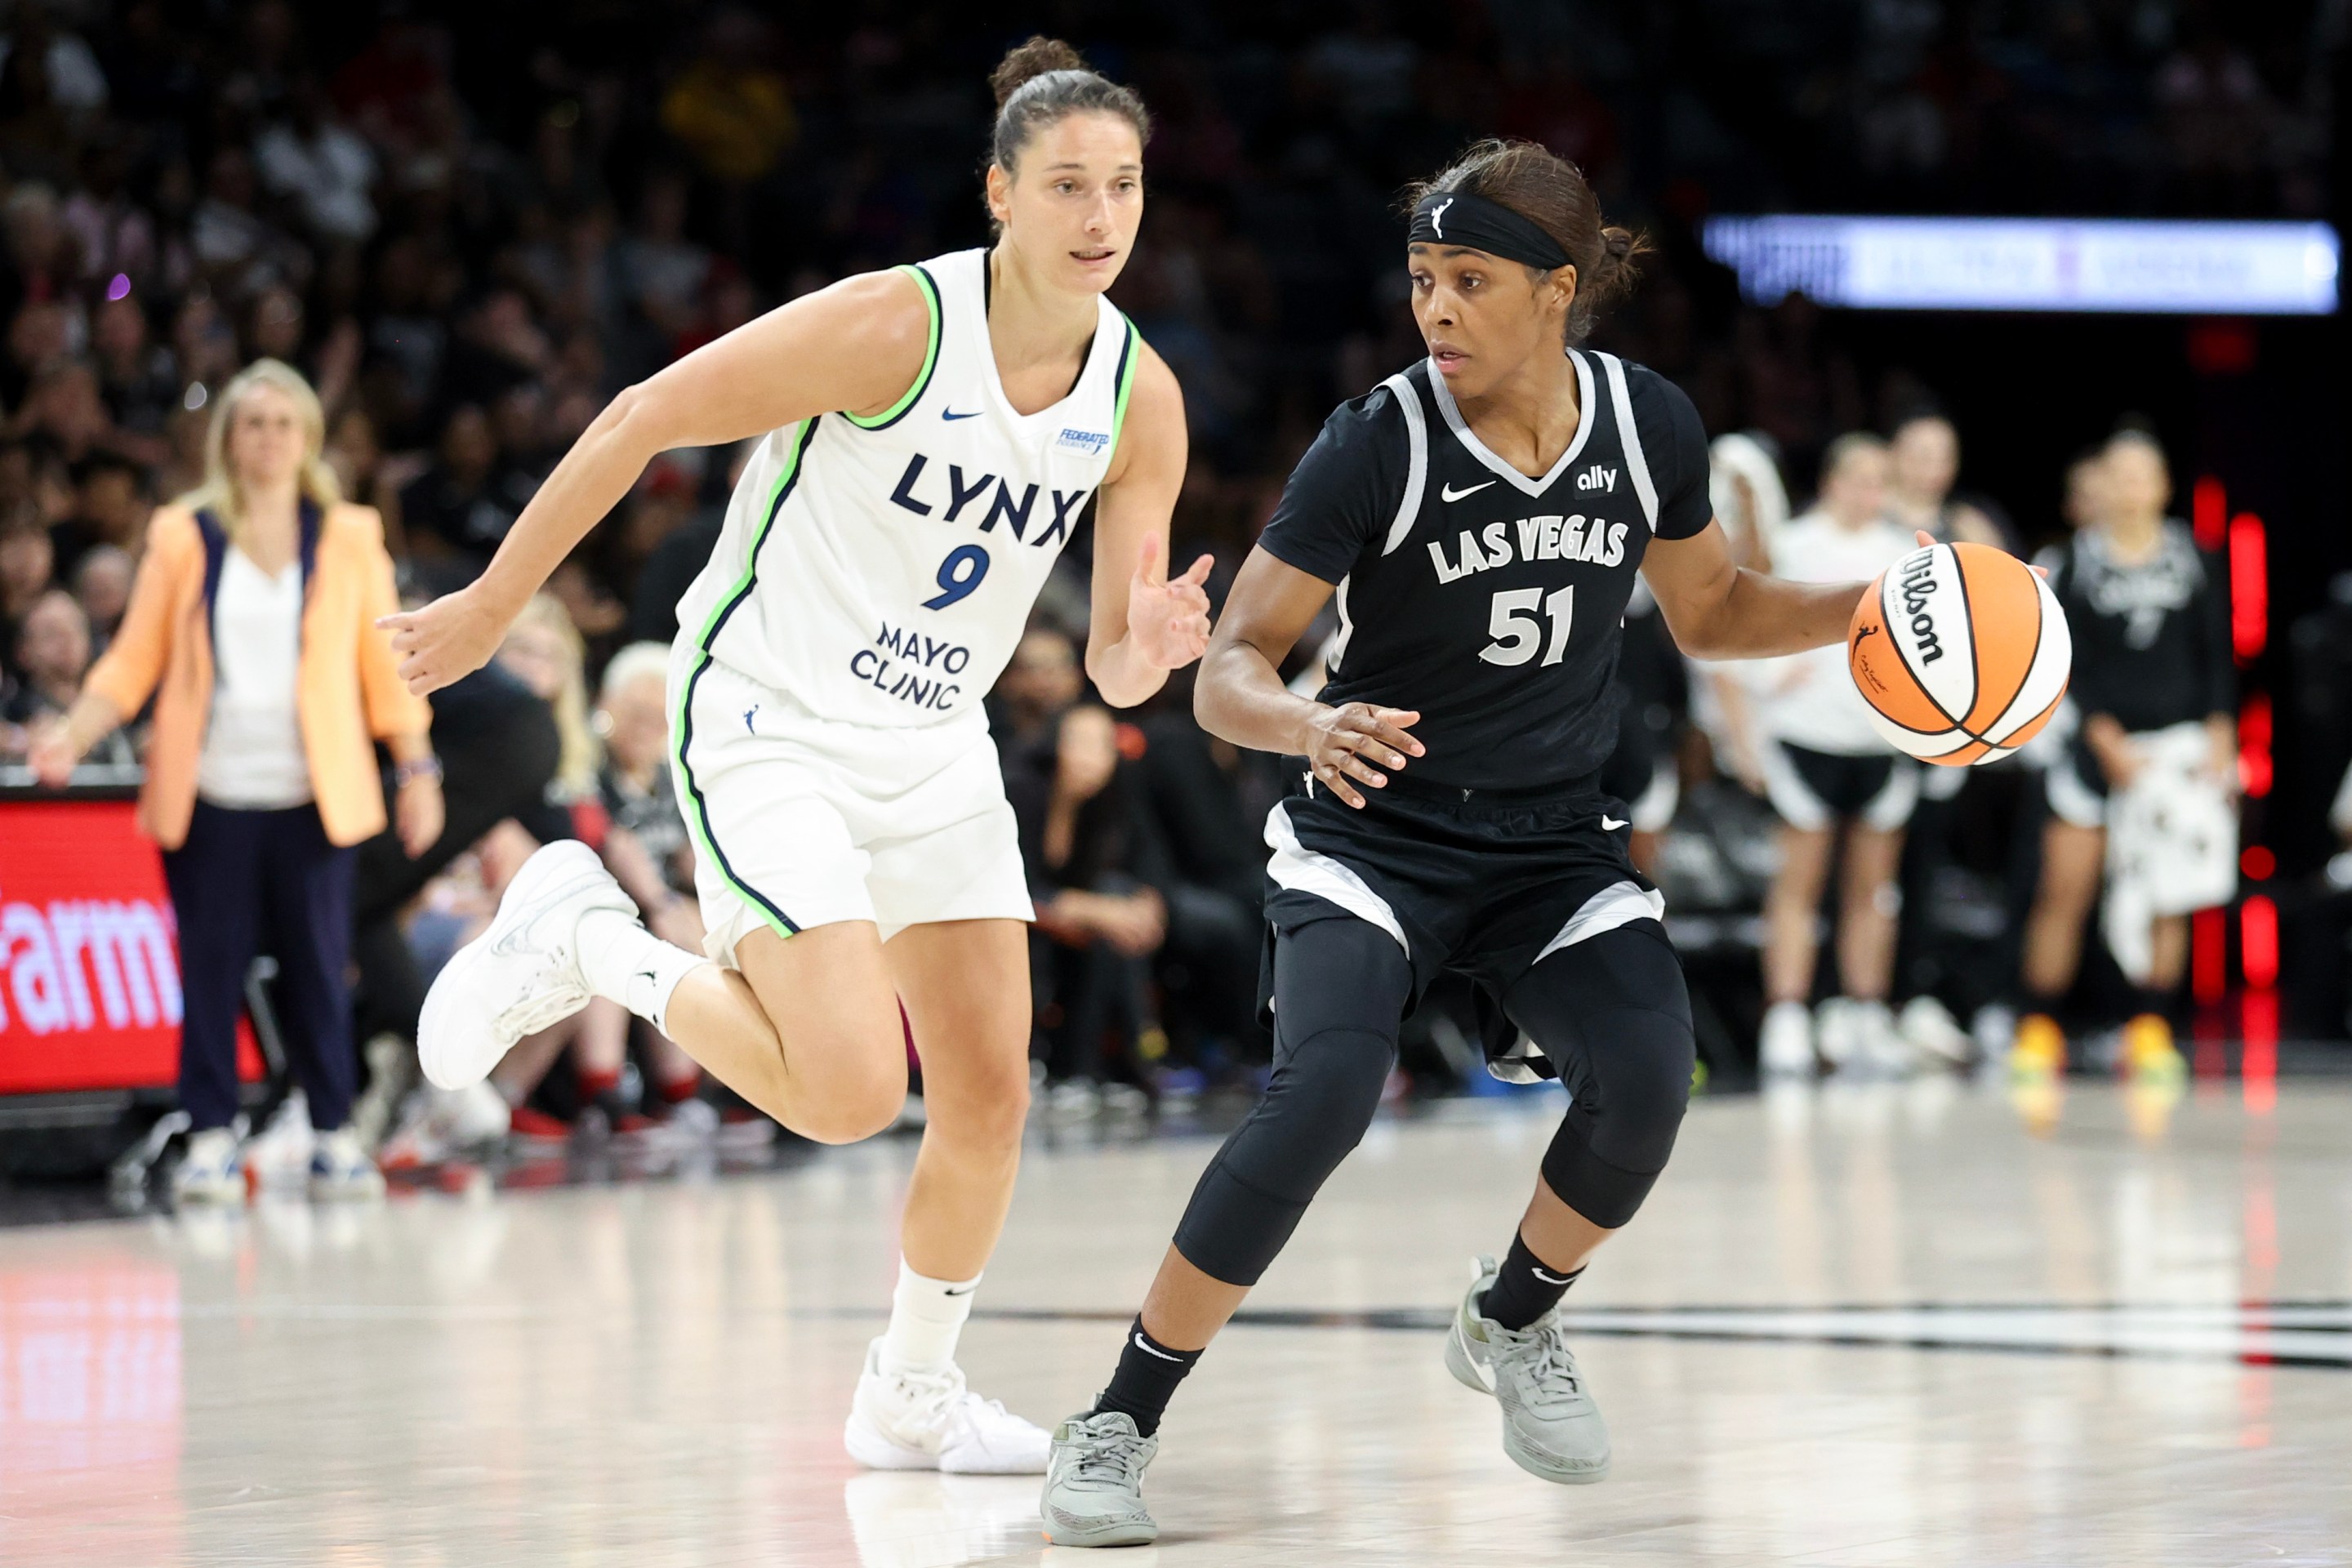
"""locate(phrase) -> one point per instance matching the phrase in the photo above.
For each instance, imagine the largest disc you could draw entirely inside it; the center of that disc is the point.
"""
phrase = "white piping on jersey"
(1477, 448)
(1618, 904)
(1637, 467)
(1295, 867)
(1416, 473)
(1338, 647)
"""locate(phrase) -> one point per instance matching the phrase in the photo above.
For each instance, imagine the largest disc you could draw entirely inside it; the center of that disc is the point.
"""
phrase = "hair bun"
(1030, 61)
(1618, 243)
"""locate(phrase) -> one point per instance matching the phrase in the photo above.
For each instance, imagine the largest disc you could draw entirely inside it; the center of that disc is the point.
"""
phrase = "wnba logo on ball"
(1919, 582)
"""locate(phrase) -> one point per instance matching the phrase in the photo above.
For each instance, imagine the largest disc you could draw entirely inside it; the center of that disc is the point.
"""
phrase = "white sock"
(926, 1318)
(624, 963)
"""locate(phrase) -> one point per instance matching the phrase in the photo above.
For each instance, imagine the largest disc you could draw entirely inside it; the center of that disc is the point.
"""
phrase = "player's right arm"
(1240, 696)
(1339, 500)
(856, 346)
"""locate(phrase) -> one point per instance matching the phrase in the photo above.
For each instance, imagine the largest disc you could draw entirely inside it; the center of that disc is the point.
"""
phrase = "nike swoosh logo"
(1553, 1279)
(951, 414)
(1146, 1349)
(965, 1292)
(1608, 825)
(1450, 493)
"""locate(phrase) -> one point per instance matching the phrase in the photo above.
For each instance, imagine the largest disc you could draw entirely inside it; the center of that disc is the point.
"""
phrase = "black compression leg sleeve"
(1339, 990)
(1612, 1013)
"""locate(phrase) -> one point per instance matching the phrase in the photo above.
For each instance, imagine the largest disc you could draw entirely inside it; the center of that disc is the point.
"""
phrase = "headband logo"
(1437, 216)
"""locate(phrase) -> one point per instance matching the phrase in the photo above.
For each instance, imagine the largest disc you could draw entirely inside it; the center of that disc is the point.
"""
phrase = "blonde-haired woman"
(252, 623)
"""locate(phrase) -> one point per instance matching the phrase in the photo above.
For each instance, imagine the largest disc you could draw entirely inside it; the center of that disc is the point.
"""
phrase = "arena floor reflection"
(1865, 1325)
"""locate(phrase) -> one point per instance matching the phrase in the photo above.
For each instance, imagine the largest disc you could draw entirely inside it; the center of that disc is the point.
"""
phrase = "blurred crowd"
(468, 231)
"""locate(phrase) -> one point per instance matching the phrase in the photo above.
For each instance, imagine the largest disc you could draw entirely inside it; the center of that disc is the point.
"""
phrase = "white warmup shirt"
(253, 758)
(1811, 698)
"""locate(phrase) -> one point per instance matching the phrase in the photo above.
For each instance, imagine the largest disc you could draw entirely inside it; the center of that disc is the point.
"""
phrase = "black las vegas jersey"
(1490, 601)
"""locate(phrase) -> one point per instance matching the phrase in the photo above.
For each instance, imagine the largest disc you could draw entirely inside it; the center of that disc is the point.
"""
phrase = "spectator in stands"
(1097, 916)
(102, 586)
(110, 508)
(632, 716)
(1036, 688)
(52, 655)
(455, 514)
(252, 625)
(136, 374)
(27, 560)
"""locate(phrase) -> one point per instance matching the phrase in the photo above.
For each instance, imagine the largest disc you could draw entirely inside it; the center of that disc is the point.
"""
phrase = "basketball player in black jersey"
(1481, 518)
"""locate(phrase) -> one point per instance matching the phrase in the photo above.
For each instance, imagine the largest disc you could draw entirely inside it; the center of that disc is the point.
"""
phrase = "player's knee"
(854, 1114)
(987, 1108)
(1645, 1086)
(1314, 1112)
(858, 1090)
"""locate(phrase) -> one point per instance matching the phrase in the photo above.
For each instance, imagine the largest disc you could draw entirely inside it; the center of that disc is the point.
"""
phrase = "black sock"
(1146, 1380)
(1524, 1289)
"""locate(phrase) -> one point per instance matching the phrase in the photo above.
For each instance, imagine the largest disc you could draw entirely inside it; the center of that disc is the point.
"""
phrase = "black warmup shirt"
(2151, 637)
(1490, 601)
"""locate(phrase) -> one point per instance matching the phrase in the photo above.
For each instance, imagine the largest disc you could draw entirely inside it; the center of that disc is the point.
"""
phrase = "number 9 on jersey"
(959, 574)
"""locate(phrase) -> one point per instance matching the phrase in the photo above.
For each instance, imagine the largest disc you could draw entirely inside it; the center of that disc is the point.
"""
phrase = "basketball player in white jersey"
(931, 436)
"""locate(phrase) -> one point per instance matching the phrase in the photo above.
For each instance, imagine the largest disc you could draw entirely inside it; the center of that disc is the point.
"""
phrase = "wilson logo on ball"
(1918, 584)
(1962, 653)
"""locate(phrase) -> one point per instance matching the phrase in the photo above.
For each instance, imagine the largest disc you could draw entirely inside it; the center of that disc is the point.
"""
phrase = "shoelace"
(932, 1398)
(1110, 1461)
(1552, 1369)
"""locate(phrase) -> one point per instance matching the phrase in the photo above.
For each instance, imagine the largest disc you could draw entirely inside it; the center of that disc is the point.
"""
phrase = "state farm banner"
(89, 964)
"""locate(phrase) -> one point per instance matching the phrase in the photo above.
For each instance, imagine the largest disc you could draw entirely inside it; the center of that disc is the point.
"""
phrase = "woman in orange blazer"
(252, 624)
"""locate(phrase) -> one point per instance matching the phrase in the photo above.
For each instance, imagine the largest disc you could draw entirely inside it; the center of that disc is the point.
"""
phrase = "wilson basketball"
(1961, 652)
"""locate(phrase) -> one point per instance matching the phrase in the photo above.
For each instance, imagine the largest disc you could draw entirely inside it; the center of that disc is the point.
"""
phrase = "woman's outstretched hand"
(1167, 621)
(446, 640)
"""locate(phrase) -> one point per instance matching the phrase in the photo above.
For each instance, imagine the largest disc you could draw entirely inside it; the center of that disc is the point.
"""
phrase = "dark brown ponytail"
(1552, 194)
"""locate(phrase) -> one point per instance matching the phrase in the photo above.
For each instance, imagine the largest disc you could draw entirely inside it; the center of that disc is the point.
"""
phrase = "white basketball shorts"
(800, 821)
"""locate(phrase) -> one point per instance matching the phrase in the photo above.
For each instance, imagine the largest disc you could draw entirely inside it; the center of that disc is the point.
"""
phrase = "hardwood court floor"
(1859, 1327)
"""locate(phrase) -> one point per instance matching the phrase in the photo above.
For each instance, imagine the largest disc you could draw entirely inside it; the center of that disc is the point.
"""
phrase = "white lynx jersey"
(880, 570)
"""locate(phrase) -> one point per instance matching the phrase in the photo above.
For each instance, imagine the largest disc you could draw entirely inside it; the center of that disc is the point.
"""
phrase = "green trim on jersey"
(1128, 360)
(891, 414)
(681, 728)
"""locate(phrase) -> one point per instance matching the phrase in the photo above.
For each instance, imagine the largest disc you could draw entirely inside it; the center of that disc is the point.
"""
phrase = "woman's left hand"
(419, 815)
(1167, 621)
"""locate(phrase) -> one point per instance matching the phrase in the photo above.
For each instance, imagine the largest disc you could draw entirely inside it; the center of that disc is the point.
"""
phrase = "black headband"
(1459, 217)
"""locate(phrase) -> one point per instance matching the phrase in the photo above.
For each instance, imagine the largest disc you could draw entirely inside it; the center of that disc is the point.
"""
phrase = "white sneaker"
(520, 976)
(1784, 1048)
(1935, 1035)
(917, 1421)
(1834, 1034)
(443, 1123)
(211, 1172)
(1877, 1043)
(280, 1154)
(341, 1170)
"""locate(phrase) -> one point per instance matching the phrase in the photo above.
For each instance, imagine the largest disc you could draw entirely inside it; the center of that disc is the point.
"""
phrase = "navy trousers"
(248, 882)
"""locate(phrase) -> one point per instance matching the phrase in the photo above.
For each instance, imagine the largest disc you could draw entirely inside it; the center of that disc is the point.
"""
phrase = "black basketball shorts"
(1483, 883)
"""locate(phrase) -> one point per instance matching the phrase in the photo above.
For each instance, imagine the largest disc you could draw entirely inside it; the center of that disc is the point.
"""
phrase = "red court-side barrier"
(90, 962)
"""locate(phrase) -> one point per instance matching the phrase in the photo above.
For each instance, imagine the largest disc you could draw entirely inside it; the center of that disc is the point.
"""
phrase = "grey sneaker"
(1094, 1483)
(1551, 1428)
